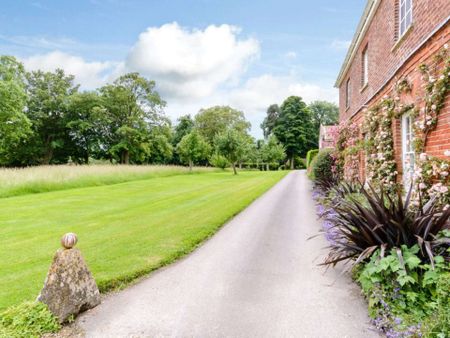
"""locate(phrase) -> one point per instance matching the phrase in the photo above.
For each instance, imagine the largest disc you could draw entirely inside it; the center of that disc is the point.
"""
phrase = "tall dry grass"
(20, 181)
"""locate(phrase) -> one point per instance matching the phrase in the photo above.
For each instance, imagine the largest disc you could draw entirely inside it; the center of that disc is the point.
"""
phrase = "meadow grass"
(22, 181)
(125, 230)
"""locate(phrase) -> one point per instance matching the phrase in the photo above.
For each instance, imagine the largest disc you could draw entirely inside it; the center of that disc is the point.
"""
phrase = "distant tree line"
(46, 119)
(297, 125)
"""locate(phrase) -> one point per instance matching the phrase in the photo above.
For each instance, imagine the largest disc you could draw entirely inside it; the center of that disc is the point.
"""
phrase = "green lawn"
(125, 230)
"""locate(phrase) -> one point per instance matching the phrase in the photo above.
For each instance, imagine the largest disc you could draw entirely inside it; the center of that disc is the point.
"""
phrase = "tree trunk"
(240, 165)
(47, 156)
(125, 157)
(267, 167)
(292, 162)
(191, 164)
(48, 151)
(234, 168)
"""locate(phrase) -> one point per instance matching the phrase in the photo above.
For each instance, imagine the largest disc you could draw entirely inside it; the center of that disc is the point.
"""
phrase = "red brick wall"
(385, 53)
(384, 63)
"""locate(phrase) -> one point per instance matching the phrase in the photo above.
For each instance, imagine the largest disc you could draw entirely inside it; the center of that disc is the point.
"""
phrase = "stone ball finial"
(69, 240)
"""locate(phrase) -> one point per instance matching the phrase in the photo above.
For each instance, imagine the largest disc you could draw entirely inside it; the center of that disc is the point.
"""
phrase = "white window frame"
(408, 154)
(347, 93)
(405, 16)
(365, 66)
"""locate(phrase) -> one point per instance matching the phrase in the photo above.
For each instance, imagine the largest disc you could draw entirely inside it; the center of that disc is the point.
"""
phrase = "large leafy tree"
(47, 107)
(184, 126)
(231, 144)
(215, 120)
(87, 125)
(294, 128)
(14, 124)
(323, 113)
(193, 148)
(272, 151)
(132, 108)
(161, 142)
(270, 120)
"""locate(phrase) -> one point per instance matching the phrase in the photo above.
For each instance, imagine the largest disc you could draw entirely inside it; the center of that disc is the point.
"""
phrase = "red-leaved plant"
(381, 221)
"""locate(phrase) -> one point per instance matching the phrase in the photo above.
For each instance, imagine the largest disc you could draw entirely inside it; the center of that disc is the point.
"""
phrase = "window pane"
(365, 69)
(402, 11)
(408, 20)
(408, 149)
(347, 93)
(408, 5)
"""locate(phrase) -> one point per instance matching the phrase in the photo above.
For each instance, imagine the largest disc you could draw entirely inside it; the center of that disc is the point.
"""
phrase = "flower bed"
(405, 279)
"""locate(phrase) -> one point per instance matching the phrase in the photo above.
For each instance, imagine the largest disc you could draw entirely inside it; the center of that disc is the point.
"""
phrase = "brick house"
(392, 39)
(326, 136)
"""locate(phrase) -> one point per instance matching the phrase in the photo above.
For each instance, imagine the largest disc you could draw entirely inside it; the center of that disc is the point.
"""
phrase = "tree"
(249, 150)
(87, 125)
(184, 126)
(294, 128)
(133, 107)
(47, 106)
(193, 148)
(272, 152)
(14, 124)
(323, 113)
(215, 120)
(160, 141)
(231, 144)
(270, 120)
(218, 161)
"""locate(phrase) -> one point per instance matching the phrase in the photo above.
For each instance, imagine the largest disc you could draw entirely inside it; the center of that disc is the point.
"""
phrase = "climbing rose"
(423, 157)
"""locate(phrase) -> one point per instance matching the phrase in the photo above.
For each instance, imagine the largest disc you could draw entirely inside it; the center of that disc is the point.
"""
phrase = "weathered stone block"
(69, 287)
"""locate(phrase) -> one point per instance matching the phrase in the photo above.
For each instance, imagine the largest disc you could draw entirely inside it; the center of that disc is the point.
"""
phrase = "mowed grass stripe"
(124, 229)
(16, 182)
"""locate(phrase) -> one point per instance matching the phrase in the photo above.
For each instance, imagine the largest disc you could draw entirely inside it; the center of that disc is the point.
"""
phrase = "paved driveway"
(257, 277)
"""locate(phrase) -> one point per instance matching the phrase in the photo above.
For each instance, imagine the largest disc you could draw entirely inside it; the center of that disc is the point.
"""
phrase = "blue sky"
(246, 54)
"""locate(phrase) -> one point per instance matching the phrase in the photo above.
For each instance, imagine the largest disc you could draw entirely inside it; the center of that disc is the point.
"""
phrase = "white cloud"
(191, 63)
(254, 96)
(193, 69)
(89, 74)
(340, 44)
(291, 55)
(259, 92)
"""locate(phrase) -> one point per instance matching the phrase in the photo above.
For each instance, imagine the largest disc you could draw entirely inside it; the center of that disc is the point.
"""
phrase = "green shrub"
(299, 163)
(440, 323)
(310, 156)
(321, 166)
(407, 297)
(29, 319)
(219, 161)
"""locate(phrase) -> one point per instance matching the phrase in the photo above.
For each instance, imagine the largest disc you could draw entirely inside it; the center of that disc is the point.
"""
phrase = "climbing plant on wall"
(432, 174)
(348, 146)
(381, 169)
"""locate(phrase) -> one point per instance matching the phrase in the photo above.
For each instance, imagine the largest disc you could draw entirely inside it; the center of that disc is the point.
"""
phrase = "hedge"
(310, 156)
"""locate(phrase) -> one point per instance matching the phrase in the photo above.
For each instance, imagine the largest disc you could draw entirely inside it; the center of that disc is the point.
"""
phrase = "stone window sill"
(402, 38)
(363, 88)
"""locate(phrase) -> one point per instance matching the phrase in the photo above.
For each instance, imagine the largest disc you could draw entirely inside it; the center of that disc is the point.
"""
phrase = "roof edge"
(363, 25)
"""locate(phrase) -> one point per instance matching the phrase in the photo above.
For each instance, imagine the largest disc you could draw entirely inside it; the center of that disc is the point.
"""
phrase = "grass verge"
(23, 181)
(29, 319)
(125, 230)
